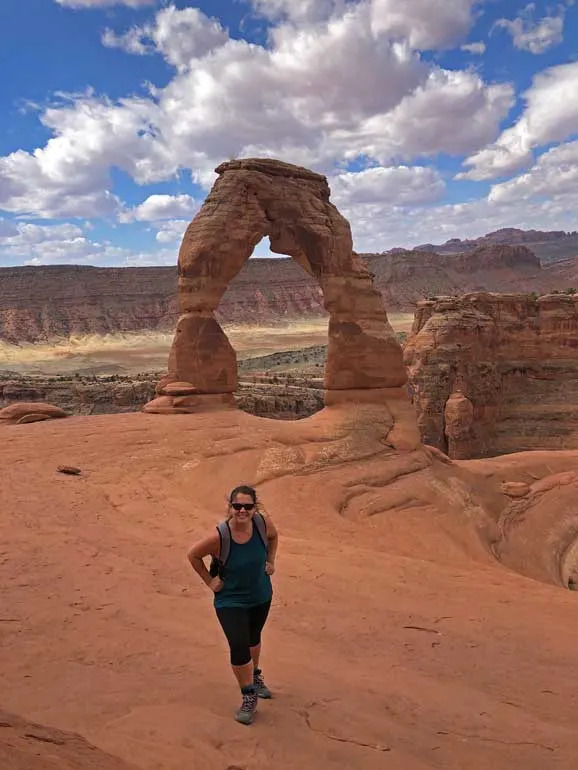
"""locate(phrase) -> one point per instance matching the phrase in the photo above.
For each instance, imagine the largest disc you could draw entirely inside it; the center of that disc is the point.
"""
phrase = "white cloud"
(554, 175)
(531, 35)
(158, 207)
(551, 115)
(69, 177)
(298, 10)
(22, 235)
(474, 48)
(179, 35)
(319, 94)
(451, 112)
(425, 24)
(378, 227)
(172, 231)
(81, 4)
(313, 91)
(134, 41)
(399, 185)
(31, 244)
(28, 241)
(93, 253)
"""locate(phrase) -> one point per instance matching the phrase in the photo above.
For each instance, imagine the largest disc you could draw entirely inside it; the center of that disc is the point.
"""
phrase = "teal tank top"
(246, 582)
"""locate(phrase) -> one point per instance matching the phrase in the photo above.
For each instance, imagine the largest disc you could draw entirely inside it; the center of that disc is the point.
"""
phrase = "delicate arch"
(251, 199)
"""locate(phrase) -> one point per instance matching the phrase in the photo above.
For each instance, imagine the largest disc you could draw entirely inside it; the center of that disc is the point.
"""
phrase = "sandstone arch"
(251, 199)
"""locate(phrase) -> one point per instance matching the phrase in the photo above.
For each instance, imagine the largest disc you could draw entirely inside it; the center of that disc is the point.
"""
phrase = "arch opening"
(274, 317)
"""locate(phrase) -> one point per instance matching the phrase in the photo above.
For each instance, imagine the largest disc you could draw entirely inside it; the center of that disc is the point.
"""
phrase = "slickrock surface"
(251, 199)
(28, 746)
(492, 374)
(396, 640)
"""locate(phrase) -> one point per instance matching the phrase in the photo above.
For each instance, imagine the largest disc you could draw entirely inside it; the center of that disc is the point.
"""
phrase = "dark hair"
(243, 490)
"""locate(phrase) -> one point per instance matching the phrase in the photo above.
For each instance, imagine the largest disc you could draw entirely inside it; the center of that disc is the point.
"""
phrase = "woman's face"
(242, 508)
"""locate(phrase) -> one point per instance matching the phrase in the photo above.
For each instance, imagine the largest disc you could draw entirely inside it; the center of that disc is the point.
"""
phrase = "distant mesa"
(550, 245)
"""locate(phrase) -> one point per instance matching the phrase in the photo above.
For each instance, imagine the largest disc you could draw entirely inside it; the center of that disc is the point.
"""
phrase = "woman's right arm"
(208, 546)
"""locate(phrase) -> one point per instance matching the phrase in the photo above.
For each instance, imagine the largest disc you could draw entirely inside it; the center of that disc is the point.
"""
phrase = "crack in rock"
(352, 741)
(45, 738)
(422, 628)
(497, 740)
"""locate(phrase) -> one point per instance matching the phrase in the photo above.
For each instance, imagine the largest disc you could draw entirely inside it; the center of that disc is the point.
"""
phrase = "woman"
(242, 589)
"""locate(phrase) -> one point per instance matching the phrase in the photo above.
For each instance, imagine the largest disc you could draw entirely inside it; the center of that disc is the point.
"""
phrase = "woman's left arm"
(273, 542)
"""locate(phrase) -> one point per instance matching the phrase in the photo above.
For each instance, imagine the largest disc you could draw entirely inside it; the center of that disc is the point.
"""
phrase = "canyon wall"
(42, 303)
(492, 374)
(276, 396)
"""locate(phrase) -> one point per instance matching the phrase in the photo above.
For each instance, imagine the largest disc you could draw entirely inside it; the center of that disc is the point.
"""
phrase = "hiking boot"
(246, 713)
(262, 690)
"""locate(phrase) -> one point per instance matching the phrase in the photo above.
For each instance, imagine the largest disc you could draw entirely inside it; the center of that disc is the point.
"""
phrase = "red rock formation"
(255, 198)
(491, 374)
(24, 411)
(458, 425)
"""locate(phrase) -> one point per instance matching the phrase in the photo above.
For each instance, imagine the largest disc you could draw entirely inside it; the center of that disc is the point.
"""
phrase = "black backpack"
(218, 566)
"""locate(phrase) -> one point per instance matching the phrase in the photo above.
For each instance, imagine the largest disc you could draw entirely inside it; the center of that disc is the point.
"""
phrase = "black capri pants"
(243, 627)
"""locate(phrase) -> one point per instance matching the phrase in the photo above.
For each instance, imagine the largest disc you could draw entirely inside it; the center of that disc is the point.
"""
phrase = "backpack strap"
(261, 525)
(225, 541)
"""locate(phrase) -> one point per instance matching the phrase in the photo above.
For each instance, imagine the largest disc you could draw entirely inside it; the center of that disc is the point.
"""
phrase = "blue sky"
(432, 118)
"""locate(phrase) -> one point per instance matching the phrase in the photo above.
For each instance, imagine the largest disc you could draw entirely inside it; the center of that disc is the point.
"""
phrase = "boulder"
(15, 412)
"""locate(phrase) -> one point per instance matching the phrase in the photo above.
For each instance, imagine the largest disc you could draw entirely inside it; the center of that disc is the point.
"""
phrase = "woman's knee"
(240, 655)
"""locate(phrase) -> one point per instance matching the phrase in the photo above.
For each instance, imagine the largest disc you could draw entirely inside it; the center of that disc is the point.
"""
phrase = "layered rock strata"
(24, 399)
(491, 374)
(252, 199)
(47, 303)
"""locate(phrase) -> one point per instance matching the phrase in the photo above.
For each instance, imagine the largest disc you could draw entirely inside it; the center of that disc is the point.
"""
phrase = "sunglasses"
(240, 506)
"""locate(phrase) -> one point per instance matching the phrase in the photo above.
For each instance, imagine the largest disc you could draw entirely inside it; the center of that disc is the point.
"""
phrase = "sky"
(432, 119)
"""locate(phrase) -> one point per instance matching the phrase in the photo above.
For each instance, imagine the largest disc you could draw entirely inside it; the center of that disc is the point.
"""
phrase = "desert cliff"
(41, 303)
(492, 374)
(549, 246)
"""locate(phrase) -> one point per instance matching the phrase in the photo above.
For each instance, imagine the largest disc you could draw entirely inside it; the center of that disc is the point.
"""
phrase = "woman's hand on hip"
(270, 568)
(216, 585)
